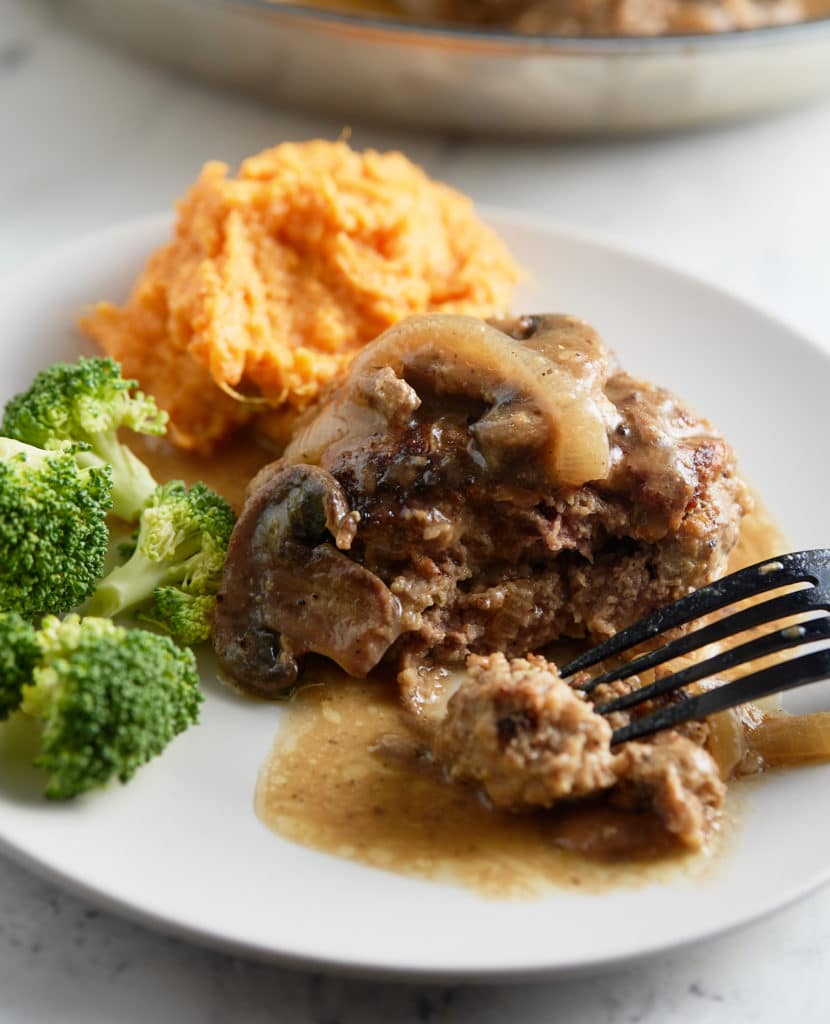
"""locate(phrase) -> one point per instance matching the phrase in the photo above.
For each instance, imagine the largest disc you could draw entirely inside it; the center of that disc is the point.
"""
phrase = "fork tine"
(770, 643)
(795, 567)
(809, 668)
(756, 615)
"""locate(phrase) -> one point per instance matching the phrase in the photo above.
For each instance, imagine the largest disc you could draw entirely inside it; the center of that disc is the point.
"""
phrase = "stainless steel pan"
(470, 81)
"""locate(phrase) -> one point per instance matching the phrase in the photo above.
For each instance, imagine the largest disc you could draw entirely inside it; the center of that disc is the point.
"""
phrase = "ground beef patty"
(524, 735)
(470, 489)
(529, 740)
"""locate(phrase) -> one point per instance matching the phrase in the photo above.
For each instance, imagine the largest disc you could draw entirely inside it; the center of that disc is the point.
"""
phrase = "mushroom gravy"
(228, 472)
(345, 777)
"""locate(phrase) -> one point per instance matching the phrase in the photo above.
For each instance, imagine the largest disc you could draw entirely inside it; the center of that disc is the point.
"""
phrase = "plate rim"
(488, 212)
(211, 937)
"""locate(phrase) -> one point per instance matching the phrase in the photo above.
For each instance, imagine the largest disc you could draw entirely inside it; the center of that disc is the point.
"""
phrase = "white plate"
(181, 848)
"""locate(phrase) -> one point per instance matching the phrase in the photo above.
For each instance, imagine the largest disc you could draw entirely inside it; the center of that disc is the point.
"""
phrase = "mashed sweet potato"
(274, 279)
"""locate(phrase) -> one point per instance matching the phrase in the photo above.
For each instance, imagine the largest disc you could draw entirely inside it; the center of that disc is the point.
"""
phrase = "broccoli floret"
(108, 699)
(186, 617)
(53, 530)
(176, 568)
(88, 401)
(19, 652)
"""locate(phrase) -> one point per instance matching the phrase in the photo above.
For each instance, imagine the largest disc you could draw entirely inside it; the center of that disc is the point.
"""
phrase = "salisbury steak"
(528, 739)
(472, 488)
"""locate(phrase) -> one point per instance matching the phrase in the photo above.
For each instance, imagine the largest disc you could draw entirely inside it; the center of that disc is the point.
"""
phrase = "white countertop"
(89, 138)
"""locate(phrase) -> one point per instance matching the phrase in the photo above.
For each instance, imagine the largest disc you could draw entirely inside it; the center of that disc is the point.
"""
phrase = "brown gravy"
(761, 537)
(324, 787)
(228, 472)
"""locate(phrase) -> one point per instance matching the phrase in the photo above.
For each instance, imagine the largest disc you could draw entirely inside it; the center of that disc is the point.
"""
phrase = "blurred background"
(108, 111)
(92, 136)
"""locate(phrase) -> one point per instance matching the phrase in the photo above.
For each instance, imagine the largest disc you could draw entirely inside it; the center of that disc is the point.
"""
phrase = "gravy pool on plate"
(344, 775)
(326, 785)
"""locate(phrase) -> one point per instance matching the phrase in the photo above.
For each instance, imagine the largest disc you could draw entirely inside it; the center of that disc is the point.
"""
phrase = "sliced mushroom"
(548, 369)
(288, 591)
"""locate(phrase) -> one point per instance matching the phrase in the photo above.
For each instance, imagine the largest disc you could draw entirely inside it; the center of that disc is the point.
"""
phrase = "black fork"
(801, 567)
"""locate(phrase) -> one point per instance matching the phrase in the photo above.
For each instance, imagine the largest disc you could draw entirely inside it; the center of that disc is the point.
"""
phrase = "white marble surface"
(88, 138)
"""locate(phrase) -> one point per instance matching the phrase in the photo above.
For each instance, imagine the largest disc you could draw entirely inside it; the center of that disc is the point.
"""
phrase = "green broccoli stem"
(130, 585)
(9, 447)
(132, 481)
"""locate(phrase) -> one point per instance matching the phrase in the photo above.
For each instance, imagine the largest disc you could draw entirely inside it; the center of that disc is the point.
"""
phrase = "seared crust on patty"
(445, 470)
